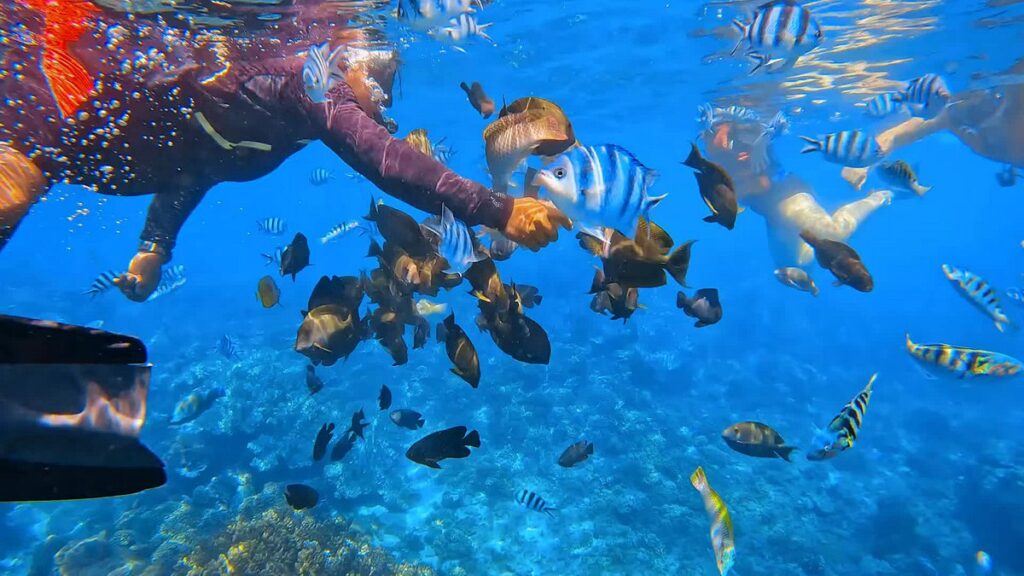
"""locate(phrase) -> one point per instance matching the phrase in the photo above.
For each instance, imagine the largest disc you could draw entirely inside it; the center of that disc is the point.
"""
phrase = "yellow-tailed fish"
(721, 524)
(844, 428)
(978, 292)
(965, 362)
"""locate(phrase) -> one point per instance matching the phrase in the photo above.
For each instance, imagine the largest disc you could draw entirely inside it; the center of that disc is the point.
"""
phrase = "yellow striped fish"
(978, 292)
(842, 431)
(965, 362)
(721, 525)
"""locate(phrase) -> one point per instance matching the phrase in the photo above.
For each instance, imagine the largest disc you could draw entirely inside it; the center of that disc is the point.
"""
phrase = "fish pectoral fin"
(323, 349)
(712, 218)
(708, 204)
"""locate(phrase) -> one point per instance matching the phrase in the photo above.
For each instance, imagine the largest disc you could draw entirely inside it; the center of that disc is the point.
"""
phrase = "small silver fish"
(340, 230)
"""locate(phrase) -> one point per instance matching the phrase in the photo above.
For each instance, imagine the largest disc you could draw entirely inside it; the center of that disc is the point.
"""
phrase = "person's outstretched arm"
(404, 172)
(900, 135)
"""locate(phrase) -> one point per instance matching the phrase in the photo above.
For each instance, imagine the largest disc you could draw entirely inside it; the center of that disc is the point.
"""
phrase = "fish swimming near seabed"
(845, 427)
(757, 440)
(978, 292)
(323, 438)
(437, 446)
(964, 362)
(300, 496)
(195, 405)
(227, 347)
(722, 540)
(576, 453)
(532, 501)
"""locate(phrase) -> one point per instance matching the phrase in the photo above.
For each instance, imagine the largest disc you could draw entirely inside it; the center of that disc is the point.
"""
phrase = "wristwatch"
(156, 248)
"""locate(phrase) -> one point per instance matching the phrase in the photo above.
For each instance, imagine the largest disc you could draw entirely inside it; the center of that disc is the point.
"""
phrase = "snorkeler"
(129, 105)
(736, 140)
(989, 121)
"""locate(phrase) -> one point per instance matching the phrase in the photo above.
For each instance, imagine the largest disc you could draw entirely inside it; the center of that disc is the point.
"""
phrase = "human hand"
(142, 277)
(534, 223)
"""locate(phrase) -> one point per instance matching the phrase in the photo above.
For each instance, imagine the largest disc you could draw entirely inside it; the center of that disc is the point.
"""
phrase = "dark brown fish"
(528, 295)
(295, 257)
(479, 99)
(704, 306)
(332, 329)
(399, 229)
(842, 261)
(487, 285)
(406, 418)
(441, 445)
(389, 330)
(460, 351)
(300, 496)
(514, 333)
(384, 398)
(343, 446)
(757, 440)
(358, 424)
(576, 454)
(612, 297)
(267, 292)
(716, 189)
(323, 438)
(313, 382)
(640, 262)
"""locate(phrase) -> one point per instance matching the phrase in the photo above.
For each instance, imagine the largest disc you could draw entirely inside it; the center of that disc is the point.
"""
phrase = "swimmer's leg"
(847, 218)
(21, 184)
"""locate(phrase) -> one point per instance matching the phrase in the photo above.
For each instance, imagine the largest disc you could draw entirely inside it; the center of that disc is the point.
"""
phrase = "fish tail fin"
(785, 452)
(375, 251)
(597, 285)
(813, 145)
(909, 342)
(550, 511)
(760, 61)
(679, 262)
(699, 480)
(694, 159)
(590, 450)
(472, 439)
(372, 215)
(742, 28)
(919, 189)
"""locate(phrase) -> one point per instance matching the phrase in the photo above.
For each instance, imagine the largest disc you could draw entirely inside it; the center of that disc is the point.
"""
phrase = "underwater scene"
(472, 287)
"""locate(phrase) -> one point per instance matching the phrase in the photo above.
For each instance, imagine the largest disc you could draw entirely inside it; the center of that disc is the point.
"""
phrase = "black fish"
(421, 334)
(357, 424)
(460, 350)
(323, 438)
(406, 418)
(529, 295)
(343, 446)
(441, 445)
(313, 382)
(843, 261)
(533, 501)
(399, 229)
(1007, 176)
(332, 329)
(704, 306)
(478, 98)
(295, 257)
(576, 454)
(384, 399)
(716, 189)
(300, 496)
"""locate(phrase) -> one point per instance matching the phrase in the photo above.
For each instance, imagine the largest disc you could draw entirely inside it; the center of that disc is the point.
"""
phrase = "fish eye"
(559, 173)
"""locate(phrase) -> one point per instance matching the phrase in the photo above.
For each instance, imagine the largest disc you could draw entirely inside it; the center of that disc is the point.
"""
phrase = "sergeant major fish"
(102, 283)
(978, 292)
(274, 257)
(170, 280)
(844, 428)
(272, 226)
(722, 539)
(600, 186)
(531, 500)
(883, 105)
(851, 148)
(456, 245)
(321, 71)
(780, 33)
(964, 362)
(926, 95)
(339, 230)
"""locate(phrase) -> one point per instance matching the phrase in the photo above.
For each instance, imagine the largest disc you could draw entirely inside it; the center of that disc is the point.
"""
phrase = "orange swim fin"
(65, 22)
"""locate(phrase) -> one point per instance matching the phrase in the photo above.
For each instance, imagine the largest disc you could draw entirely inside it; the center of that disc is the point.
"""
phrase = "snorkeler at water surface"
(128, 105)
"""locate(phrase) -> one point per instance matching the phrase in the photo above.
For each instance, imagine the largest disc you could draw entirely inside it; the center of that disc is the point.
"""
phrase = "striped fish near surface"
(964, 362)
(321, 71)
(320, 176)
(600, 187)
(533, 501)
(883, 105)
(102, 283)
(978, 292)
(926, 95)
(722, 539)
(273, 226)
(851, 148)
(463, 28)
(844, 428)
(780, 33)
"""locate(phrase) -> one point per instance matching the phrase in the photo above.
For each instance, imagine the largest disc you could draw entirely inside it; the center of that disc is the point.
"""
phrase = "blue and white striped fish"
(978, 292)
(456, 245)
(851, 148)
(600, 187)
(339, 230)
(170, 280)
(102, 283)
(463, 28)
(883, 105)
(926, 96)
(778, 126)
(741, 113)
(781, 32)
(533, 501)
(320, 176)
(321, 71)
(273, 226)
(432, 12)
(274, 257)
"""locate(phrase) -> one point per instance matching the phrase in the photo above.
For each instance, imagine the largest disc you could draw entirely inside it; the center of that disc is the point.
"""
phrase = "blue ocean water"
(935, 475)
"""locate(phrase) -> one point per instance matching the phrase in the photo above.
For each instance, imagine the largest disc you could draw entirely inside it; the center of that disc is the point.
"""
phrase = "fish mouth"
(542, 178)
